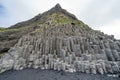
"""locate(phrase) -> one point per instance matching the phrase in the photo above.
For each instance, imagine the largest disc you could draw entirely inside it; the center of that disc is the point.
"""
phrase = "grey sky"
(103, 15)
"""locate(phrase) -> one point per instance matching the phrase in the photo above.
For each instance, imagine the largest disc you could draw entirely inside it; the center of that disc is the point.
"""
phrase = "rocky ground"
(37, 74)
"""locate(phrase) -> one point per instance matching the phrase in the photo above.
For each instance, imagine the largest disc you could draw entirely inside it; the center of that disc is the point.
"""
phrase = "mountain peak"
(41, 18)
(58, 6)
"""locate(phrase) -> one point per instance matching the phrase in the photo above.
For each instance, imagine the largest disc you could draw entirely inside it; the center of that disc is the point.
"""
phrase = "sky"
(101, 15)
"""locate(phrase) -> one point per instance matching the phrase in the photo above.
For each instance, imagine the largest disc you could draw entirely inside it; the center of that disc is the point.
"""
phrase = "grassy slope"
(2, 29)
(61, 18)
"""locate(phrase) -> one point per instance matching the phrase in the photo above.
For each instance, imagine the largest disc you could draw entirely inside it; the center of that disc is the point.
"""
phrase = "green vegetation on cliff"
(62, 18)
(2, 29)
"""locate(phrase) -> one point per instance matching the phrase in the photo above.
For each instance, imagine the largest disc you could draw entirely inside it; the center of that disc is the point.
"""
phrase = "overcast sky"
(102, 15)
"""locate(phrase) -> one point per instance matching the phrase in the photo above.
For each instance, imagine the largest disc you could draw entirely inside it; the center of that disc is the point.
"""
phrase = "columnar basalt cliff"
(57, 40)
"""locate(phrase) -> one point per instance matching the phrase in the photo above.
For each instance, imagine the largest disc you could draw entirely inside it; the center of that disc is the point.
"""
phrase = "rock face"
(9, 37)
(68, 45)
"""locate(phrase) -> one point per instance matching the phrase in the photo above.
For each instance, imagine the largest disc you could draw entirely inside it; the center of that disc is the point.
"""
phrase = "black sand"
(37, 74)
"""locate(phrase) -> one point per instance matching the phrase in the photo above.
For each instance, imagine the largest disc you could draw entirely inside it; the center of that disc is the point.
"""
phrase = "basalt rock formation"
(57, 40)
(10, 36)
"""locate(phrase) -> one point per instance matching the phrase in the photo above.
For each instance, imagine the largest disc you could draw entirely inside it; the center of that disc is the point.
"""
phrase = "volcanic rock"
(57, 40)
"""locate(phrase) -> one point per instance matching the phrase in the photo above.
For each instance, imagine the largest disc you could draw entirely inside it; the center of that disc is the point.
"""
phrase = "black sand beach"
(37, 74)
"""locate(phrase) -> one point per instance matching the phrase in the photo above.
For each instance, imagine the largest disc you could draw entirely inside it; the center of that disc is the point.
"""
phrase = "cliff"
(57, 40)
